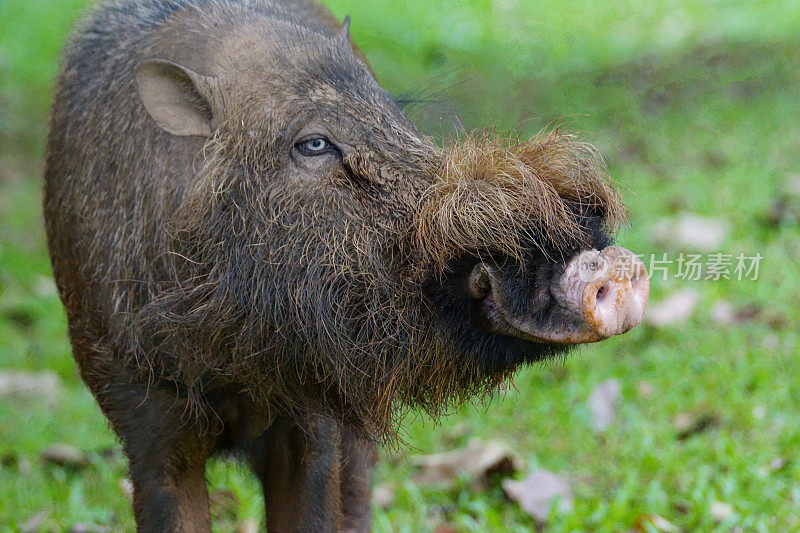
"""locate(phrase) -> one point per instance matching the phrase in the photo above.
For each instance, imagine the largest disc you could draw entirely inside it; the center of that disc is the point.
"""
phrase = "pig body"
(259, 254)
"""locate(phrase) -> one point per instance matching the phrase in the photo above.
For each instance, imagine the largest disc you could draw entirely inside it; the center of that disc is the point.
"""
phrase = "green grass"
(695, 105)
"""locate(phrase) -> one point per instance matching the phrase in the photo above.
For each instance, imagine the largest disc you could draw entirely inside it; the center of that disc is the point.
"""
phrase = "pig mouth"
(599, 294)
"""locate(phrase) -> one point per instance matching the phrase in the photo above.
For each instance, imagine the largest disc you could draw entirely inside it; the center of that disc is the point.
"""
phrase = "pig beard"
(301, 310)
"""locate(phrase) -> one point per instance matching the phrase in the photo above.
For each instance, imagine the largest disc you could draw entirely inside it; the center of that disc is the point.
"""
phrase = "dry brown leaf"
(785, 206)
(672, 310)
(477, 462)
(603, 402)
(537, 493)
(723, 313)
(40, 385)
(65, 455)
(784, 210)
(688, 424)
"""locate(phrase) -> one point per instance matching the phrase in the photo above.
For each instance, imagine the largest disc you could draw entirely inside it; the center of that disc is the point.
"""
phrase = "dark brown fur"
(223, 299)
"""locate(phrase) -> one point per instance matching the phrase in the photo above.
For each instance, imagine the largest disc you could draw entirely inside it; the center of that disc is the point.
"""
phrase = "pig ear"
(176, 97)
(344, 32)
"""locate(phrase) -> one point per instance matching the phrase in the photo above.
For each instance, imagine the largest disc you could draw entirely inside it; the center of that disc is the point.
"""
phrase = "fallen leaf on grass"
(683, 507)
(688, 230)
(112, 454)
(776, 320)
(720, 511)
(383, 496)
(782, 211)
(126, 487)
(672, 310)
(688, 424)
(650, 522)
(537, 493)
(477, 462)
(43, 385)
(785, 206)
(65, 455)
(725, 314)
(603, 402)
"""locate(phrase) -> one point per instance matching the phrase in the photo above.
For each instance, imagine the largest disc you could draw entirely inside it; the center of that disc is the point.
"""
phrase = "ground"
(696, 109)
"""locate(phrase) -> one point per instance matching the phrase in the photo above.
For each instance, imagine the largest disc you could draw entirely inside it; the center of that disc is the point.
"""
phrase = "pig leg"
(357, 458)
(299, 472)
(167, 457)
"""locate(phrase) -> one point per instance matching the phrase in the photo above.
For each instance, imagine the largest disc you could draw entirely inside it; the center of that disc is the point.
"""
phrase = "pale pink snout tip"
(609, 289)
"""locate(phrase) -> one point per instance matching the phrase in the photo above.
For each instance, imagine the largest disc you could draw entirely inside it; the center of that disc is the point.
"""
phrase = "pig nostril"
(602, 293)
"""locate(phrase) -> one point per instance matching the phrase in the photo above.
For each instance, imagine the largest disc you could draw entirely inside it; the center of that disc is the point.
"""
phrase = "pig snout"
(609, 289)
(599, 294)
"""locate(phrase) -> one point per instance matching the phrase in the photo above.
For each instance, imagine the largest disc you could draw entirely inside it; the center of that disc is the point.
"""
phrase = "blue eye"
(314, 146)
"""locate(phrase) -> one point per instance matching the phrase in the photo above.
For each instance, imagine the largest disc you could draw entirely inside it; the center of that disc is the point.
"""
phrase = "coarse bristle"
(505, 195)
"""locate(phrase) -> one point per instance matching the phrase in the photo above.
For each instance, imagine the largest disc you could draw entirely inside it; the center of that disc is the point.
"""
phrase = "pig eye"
(315, 146)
